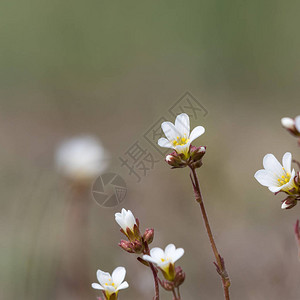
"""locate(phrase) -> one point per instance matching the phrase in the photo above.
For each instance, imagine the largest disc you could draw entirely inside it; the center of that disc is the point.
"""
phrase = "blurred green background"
(111, 69)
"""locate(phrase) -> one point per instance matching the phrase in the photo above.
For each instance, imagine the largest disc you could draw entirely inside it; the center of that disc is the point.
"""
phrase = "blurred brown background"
(111, 69)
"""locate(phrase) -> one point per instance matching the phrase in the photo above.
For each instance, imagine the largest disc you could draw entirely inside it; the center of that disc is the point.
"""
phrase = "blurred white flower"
(81, 158)
(288, 123)
(297, 123)
(125, 219)
(178, 136)
(275, 176)
(111, 284)
(165, 260)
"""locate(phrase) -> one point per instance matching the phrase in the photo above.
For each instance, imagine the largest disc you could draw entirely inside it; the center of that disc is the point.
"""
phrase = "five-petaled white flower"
(81, 158)
(125, 219)
(178, 136)
(165, 260)
(275, 176)
(111, 284)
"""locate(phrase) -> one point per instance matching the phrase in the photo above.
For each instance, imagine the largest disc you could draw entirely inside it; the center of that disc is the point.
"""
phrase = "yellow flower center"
(180, 141)
(284, 178)
(110, 283)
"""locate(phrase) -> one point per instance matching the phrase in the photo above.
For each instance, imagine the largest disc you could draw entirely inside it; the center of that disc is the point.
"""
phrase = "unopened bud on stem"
(148, 235)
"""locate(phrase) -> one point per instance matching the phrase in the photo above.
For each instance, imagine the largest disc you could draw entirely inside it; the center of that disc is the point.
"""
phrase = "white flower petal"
(110, 289)
(150, 259)
(297, 123)
(265, 178)
(196, 132)
(178, 253)
(289, 185)
(129, 219)
(118, 275)
(170, 131)
(97, 286)
(271, 163)
(120, 220)
(163, 142)
(170, 250)
(164, 264)
(182, 124)
(157, 253)
(103, 277)
(125, 219)
(123, 286)
(287, 161)
(275, 189)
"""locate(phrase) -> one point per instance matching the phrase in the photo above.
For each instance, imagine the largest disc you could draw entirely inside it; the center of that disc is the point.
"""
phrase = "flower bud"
(176, 160)
(137, 247)
(167, 285)
(179, 276)
(129, 225)
(289, 202)
(148, 235)
(290, 125)
(125, 245)
(196, 154)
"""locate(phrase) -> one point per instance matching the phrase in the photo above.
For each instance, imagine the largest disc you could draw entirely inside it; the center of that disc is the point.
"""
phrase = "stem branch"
(220, 264)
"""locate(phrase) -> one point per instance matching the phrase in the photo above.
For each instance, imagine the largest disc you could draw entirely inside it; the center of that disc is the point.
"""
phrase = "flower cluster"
(156, 258)
(282, 177)
(179, 138)
(164, 260)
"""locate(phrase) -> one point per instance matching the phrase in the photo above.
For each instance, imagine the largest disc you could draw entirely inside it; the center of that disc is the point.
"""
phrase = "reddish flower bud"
(137, 247)
(176, 160)
(148, 235)
(179, 276)
(125, 245)
(167, 285)
(196, 154)
(289, 202)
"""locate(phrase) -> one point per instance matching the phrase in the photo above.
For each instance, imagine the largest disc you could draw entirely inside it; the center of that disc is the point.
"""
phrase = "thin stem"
(174, 294)
(220, 264)
(154, 272)
(178, 293)
(155, 281)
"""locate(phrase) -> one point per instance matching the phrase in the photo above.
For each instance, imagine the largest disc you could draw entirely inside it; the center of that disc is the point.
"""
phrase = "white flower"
(275, 176)
(297, 123)
(125, 219)
(288, 123)
(165, 260)
(81, 158)
(111, 284)
(178, 136)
